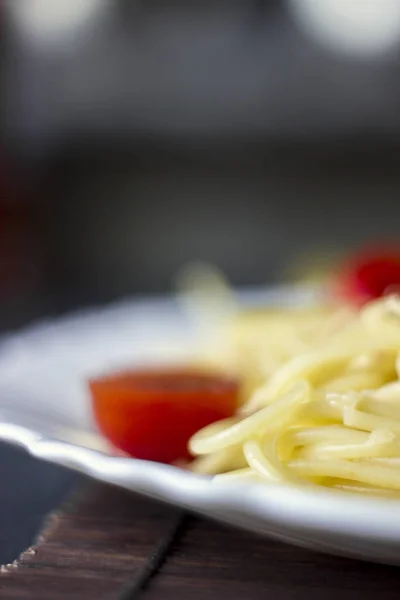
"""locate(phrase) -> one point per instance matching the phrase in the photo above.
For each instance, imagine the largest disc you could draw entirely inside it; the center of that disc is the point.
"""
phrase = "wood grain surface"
(108, 544)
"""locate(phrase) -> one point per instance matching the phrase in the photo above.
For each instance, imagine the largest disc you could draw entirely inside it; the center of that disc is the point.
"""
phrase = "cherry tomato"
(151, 414)
(369, 275)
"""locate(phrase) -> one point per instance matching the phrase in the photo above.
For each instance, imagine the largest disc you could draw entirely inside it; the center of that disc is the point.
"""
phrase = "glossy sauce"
(151, 414)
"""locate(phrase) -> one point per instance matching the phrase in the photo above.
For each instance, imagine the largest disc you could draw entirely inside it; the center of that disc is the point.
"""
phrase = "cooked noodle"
(321, 399)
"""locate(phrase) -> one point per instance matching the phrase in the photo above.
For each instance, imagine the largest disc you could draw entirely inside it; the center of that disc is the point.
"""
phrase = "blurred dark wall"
(181, 131)
(126, 223)
(172, 68)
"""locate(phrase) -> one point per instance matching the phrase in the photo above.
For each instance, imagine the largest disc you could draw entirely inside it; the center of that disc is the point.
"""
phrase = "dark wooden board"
(29, 490)
(104, 538)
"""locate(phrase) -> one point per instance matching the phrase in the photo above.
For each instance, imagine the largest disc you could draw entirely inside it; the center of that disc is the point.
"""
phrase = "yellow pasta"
(321, 400)
(269, 420)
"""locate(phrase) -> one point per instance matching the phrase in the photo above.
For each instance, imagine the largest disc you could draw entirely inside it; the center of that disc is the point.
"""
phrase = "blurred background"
(138, 135)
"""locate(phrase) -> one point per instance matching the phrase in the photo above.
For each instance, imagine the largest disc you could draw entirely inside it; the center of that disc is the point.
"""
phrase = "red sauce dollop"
(151, 414)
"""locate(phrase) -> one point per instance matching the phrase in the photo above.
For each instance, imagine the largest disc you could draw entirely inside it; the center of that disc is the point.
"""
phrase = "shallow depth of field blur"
(139, 135)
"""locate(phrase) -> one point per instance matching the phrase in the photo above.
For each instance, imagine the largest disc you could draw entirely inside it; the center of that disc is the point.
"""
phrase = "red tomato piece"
(151, 414)
(368, 276)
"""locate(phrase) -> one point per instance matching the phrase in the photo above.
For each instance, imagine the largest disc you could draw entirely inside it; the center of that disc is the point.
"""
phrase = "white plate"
(44, 406)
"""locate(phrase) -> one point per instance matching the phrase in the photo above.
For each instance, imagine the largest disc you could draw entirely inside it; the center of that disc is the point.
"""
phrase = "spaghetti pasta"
(321, 399)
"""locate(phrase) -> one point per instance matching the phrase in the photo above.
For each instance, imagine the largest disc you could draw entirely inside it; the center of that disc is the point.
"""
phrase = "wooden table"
(109, 544)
